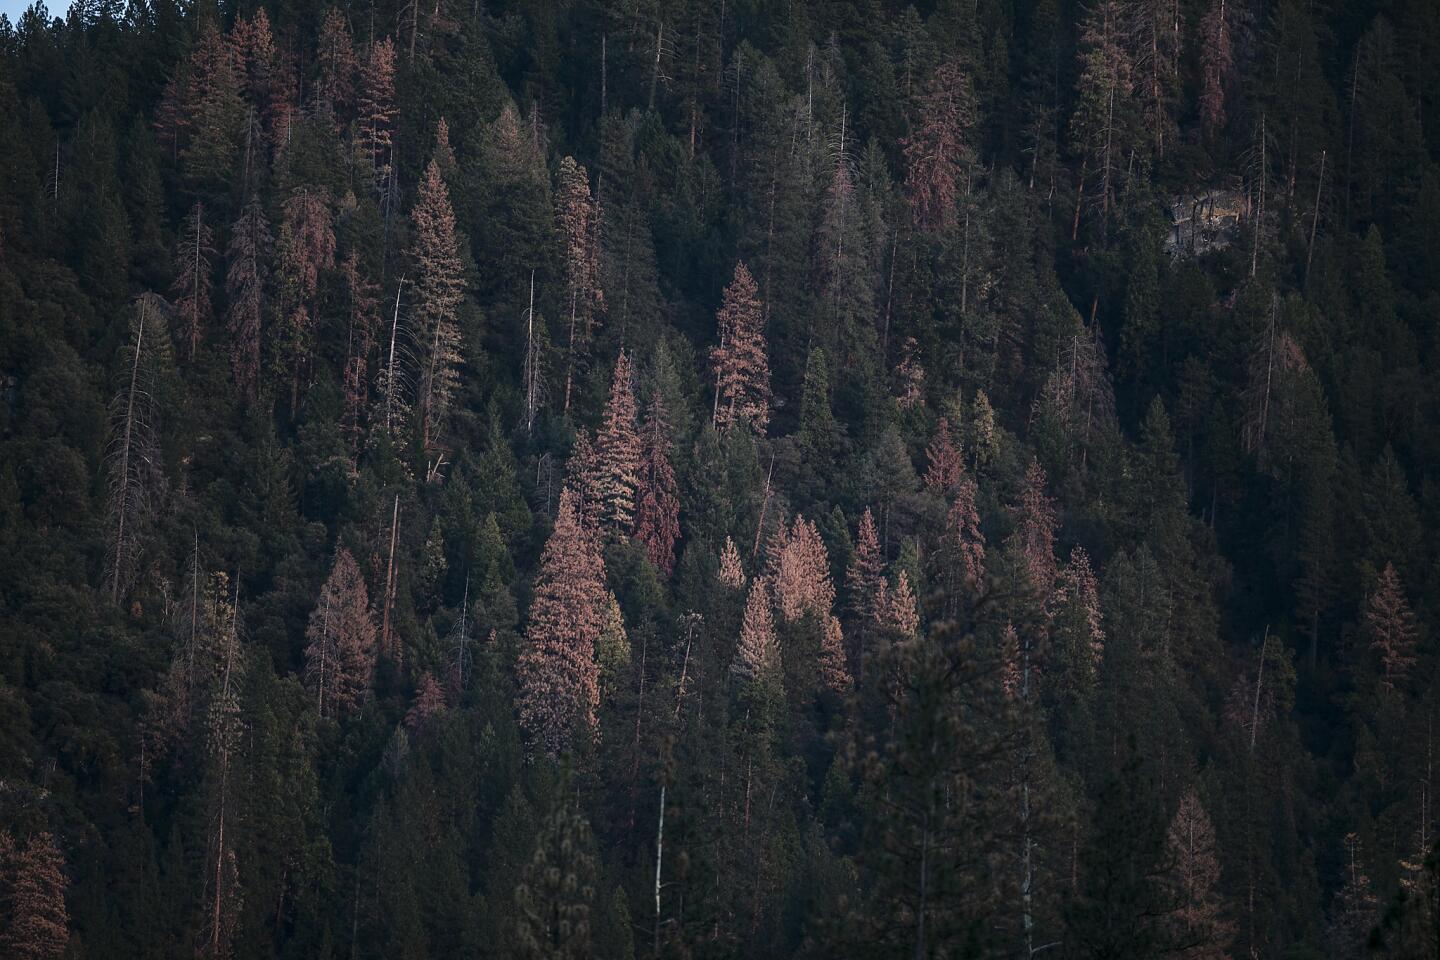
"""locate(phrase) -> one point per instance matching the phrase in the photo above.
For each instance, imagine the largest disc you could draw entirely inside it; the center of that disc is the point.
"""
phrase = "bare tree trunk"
(122, 497)
(390, 583)
(1315, 219)
(659, 859)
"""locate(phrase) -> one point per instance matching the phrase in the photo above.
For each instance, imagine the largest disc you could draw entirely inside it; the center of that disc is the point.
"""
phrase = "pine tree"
(897, 606)
(211, 110)
(945, 464)
(618, 452)
(340, 657)
(864, 578)
(984, 440)
(429, 703)
(1202, 930)
(731, 573)
(742, 372)
(335, 86)
(1035, 525)
(133, 464)
(38, 924)
(909, 376)
(245, 291)
(224, 732)
(556, 893)
(1101, 125)
(1356, 906)
(657, 514)
(962, 547)
(757, 655)
(191, 289)
(360, 343)
(577, 219)
(1077, 598)
(306, 247)
(558, 672)
(1391, 628)
(938, 152)
(1217, 58)
(377, 104)
(439, 292)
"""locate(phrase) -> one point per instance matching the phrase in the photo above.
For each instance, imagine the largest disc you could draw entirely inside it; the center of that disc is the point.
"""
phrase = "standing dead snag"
(133, 457)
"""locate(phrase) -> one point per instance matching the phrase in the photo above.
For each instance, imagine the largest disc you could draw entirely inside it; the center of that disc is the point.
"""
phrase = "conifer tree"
(377, 103)
(340, 657)
(556, 892)
(657, 513)
(757, 654)
(429, 703)
(1217, 57)
(897, 606)
(1075, 606)
(618, 453)
(211, 112)
(37, 923)
(983, 438)
(732, 572)
(577, 218)
(439, 291)
(1356, 906)
(1101, 125)
(191, 289)
(335, 87)
(360, 343)
(1035, 525)
(963, 544)
(1202, 929)
(1391, 628)
(742, 372)
(938, 152)
(945, 465)
(133, 464)
(865, 576)
(245, 277)
(558, 671)
(306, 247)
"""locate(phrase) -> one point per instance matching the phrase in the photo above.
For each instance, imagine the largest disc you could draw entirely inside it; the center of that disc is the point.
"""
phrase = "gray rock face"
(1203, 221)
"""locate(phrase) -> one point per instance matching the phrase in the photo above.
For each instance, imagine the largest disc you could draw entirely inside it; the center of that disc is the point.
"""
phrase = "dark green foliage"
(1238, 444)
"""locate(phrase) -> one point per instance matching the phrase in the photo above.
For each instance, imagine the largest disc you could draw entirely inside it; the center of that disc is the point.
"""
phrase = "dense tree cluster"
(670, 479)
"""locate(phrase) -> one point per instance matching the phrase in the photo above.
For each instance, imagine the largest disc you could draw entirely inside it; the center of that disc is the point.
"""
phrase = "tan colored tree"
(38, 925)
(1391, 628)
(732, 572)
(1035, 525)
(937, 151)
(558, 671)
(945, 465)
(377, 109)
(742, 371)
(865, 577)
(1202, 929)
(340, 657)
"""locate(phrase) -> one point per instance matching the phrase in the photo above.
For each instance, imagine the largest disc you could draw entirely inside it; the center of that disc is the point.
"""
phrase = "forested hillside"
(669, 478)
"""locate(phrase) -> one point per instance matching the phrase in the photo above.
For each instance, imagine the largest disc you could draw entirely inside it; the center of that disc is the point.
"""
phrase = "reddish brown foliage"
(558, 672)
(897, 606)
(757, 655)
(377, 102)
(39, 925)
(742, 372)
(1035, 525)
(963, 543)
(1391, 627)
(335, 86)
(577, 218)
(1195, 877)
(945, 465)
(657, 517)
(1077, 585)
(340, 657)
(429, 702)
(937, 153)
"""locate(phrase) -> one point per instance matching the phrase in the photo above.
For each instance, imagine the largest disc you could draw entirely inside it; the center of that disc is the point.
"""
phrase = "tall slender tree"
(657, 511)
(938, 153)
(439, 292)
(1391, 628)
(742, 372)
(618, 452)
(558, 671)
(340, 657)
(37, 923)
(577, 217)
(245, 282)
(1202, 929)
(194, 252)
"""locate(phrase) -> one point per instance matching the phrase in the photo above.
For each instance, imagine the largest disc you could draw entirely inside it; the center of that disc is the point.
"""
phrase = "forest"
(659, 479)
